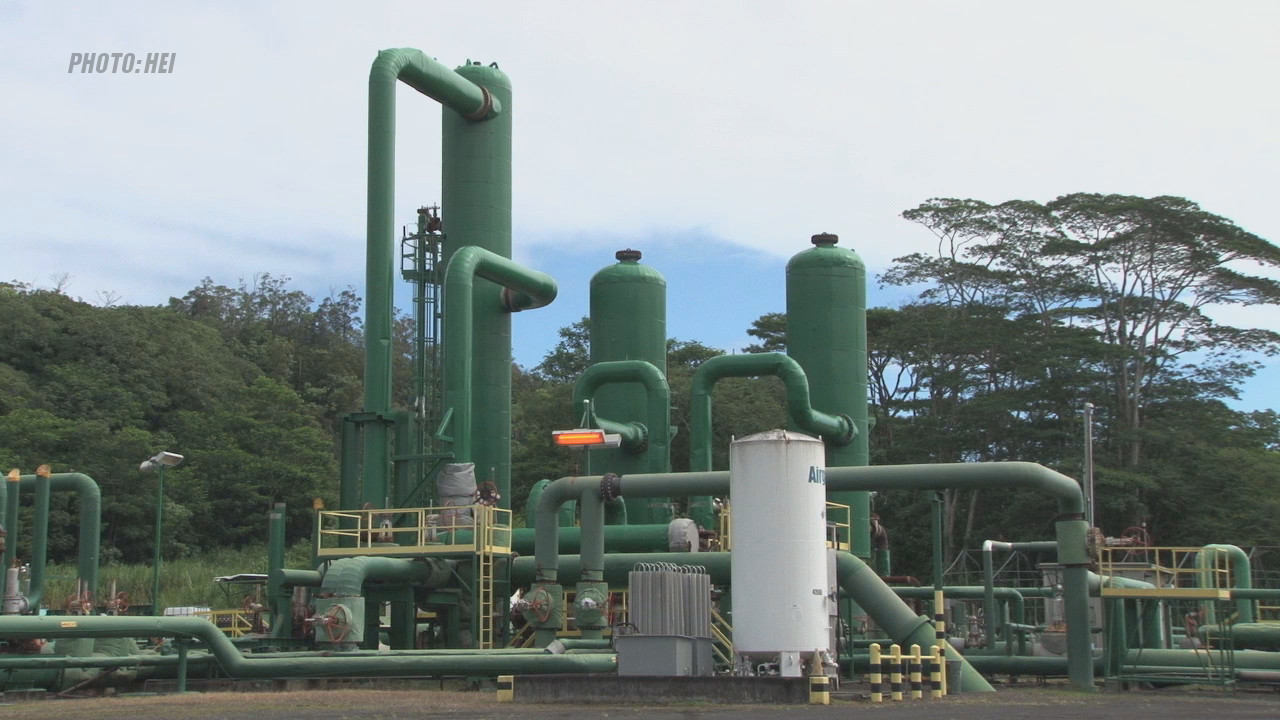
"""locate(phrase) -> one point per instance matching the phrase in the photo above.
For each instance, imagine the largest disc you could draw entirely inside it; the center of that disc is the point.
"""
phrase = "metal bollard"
(877, 677)
(895, 675)
(819, 694)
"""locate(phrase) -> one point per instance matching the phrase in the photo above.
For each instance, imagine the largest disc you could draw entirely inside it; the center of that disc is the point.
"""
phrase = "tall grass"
(186, 581)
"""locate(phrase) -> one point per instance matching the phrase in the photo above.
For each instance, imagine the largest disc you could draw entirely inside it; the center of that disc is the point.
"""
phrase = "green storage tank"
(629, 322)
(827, 335)
(476, 210)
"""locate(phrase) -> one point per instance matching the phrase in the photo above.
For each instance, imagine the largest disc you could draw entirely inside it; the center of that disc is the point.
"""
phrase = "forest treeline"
(1024, 312)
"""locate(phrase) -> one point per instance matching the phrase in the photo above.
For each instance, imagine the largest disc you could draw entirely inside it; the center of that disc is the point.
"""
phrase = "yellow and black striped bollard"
(877, 677)
(936, 665)
(819, 692)
(895, 673)
(914, 667)
(506, 688)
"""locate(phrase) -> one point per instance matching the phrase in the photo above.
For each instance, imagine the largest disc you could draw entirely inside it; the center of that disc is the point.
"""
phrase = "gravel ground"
(1016, 703)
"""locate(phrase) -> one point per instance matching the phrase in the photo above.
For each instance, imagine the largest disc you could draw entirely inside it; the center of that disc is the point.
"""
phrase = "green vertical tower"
(476, 210)
(629, 322)
(827, 335)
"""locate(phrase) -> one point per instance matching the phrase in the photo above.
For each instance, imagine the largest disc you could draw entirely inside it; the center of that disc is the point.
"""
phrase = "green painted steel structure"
(479, 283)
(827, 335)
(833, 429)
(628, 302)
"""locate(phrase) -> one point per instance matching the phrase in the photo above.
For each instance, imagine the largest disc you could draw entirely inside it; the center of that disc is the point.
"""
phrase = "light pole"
(1088, 462)
(158, 463)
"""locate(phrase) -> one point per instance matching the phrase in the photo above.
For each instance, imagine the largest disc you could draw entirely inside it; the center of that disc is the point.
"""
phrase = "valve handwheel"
(337, 623)
(122, 602)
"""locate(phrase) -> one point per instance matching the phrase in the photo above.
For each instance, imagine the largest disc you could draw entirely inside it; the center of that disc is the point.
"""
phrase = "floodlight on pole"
(159, 462)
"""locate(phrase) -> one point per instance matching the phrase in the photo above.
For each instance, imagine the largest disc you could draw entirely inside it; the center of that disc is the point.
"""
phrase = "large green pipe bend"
(635, 436)
(465, 266)
(90, 532)
(472, 102)
(834, 429)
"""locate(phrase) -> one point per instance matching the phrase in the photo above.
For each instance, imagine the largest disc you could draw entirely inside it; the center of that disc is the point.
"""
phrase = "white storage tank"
(779, 560)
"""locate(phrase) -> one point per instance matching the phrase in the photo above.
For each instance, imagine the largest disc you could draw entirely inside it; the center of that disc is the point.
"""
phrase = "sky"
(716, 137)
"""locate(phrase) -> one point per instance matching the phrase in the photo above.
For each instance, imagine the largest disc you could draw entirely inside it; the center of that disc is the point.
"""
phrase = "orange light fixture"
(575, 438)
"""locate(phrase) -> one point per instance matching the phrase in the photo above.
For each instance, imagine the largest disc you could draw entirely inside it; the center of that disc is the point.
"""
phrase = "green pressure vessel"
(476, 210)
(629, 322)
(827, 335)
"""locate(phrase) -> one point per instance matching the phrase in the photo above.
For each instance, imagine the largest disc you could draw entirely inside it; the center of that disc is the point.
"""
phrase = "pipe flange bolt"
(610, 487)
(851, 434)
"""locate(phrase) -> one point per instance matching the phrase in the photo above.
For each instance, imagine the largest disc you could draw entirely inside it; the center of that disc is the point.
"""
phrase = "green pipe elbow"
(636, 437)
(467, 264)
(90, 524)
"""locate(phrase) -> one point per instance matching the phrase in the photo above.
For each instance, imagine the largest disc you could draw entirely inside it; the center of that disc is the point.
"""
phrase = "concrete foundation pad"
(618, 690)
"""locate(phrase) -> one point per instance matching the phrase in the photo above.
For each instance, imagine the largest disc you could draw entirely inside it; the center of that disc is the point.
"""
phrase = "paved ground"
(1013, 704)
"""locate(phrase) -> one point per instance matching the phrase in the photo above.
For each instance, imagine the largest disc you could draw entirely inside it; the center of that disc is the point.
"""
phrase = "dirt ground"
(1015, 703)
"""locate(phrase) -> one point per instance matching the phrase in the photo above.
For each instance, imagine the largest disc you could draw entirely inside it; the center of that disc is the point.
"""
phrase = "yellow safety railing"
(839, 523)
(1175, 570)
(233, 623)
(839, 527)
(721, 638)
(413, 531)
(726, 528)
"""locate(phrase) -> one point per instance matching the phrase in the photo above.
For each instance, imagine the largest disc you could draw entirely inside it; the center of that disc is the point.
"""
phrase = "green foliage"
(215, 376)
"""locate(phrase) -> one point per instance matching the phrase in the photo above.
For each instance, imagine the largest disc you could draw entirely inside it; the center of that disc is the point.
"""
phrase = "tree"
(1140, 272)
(771, 329)
(571, 356)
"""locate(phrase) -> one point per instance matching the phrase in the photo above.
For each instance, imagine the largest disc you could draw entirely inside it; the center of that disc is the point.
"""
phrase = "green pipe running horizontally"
(236, 665)
(1241, 575)
(835, 430)
(1071, 528)
(535, 289)
(617, 538)
(463, 98)
(1247, 636)
(90, 528)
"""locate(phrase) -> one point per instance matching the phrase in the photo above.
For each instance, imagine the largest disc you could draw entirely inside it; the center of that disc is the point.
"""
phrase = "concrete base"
(617, 690)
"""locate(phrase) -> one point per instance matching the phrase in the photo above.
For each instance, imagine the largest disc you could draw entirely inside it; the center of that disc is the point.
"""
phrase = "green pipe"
(291, 578)
(277, 600)
(1145, 614)
(1071, 529)
(467, 265)
(893, 616)
(346, 576)
(90, 526)
(460, 97)
(567, 514)
(1196, 659)
(1241, 574)
(1250, 636)
(11, 522)
(1256, 594)
(1002, 664)
(547, 532)
(988, 576)
(236, 665)
(857, 580)
(651, 437)
(835, 430)
(39, 541)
